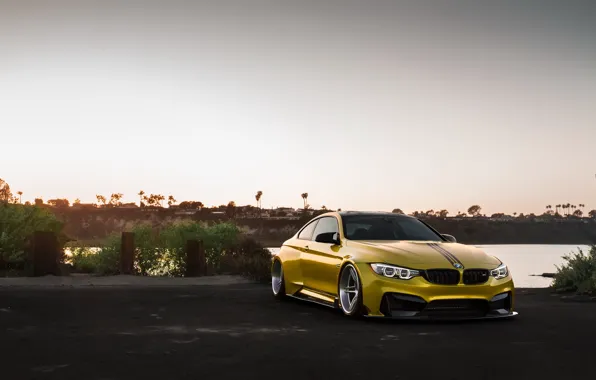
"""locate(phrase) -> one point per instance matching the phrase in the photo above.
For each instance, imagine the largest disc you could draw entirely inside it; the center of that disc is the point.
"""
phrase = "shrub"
(17, 224)
(164, 253)
(578, 273)
(248, 258)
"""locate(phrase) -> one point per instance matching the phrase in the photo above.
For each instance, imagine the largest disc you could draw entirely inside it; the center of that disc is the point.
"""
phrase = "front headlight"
(393, 271)
(500, 272)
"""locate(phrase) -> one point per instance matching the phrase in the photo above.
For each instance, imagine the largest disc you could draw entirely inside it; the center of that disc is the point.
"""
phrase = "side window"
(306, 233)
(326, 225)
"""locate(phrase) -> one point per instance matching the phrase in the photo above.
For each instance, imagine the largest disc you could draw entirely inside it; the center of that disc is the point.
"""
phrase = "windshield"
(387, 227)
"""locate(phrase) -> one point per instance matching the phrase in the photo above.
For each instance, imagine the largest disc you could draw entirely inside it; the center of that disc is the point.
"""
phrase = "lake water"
(523, 260)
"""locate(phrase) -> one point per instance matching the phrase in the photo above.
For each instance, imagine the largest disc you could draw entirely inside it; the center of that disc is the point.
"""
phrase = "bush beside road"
(240, 331)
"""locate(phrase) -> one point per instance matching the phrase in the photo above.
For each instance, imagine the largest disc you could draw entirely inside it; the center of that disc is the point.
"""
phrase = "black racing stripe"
(449, 253)
(442, 253)
(455, 259)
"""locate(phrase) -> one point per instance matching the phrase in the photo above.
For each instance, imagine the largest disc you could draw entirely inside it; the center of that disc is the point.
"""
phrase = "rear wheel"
(278, 285)
(350, 291)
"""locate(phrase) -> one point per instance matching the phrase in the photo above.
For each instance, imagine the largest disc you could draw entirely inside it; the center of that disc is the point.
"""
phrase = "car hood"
(423, 254)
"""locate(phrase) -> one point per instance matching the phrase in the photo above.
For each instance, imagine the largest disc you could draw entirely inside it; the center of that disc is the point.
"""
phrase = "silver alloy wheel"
(349, 289)
(277, 277)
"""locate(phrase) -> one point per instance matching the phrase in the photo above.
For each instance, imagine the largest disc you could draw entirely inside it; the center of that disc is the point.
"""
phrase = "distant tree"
(557, 207)
(20, 193)
(305, 199)
(77, 201)
(578, 213)
(115, 200)
(101, 200)
(154, 200)
(397, 211)
(324, 208)
(27, 203)
(59, 203)
(171, 200)
(231, 209)
(592, 214)
(191, 205)
(38, 201)
(498, 215)
(443, 213)
(339, 209)
(148, 200)
(474, 210)
(141, 194)
(5, 193)
(430, 213)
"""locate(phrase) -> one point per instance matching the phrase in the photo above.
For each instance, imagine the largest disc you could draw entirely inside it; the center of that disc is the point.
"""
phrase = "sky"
(365, 105)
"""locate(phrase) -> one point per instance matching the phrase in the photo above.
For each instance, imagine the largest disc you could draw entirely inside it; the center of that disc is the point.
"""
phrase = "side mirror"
(449, 238)
(328, 238)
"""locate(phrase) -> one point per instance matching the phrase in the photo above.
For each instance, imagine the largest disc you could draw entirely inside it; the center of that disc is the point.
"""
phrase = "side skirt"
(315, 297)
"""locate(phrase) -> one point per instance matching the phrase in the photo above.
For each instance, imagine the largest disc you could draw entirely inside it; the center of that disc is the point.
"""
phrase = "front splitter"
(428, 318)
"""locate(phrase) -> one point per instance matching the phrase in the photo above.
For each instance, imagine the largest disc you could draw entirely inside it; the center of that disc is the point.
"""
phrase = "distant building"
(128, 205)
(83, 206)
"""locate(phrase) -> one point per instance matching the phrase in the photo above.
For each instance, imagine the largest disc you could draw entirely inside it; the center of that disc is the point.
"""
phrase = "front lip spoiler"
(429, 318)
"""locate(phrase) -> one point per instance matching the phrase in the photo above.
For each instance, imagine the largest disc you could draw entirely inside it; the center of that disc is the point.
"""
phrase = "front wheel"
(278, 285)
(350, 291)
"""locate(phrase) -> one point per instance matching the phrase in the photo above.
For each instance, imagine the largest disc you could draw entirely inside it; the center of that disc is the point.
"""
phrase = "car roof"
(372, 213)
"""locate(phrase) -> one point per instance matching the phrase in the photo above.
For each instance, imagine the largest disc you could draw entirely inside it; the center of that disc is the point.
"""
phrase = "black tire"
(356, 310)
(278, 281)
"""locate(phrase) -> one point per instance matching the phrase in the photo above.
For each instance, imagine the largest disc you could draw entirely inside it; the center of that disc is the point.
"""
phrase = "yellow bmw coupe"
(380, 264)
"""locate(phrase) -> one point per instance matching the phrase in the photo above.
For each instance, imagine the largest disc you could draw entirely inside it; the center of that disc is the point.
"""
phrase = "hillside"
(95, 224)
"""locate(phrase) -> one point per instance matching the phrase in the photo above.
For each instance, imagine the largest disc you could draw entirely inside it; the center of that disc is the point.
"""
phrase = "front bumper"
(419, 299)
(404, 306)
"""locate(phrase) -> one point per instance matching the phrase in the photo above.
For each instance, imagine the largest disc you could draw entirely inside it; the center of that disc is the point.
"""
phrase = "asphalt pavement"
(240, 332)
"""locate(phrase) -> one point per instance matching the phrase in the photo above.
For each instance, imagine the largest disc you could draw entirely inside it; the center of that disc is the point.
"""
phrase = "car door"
(302, 244)
(321, 262)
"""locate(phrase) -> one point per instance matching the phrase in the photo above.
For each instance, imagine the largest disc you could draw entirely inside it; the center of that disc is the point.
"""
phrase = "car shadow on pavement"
(328, 312)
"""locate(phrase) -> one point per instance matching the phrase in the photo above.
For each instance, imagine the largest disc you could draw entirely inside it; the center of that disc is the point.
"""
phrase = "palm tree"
(557, 207)
(581, 206)
(141, 193)
(305, 199)
(20, 196)
(258, 198)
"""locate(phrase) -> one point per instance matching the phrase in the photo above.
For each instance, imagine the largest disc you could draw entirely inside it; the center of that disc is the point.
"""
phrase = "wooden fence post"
(44, 252)
(196, 264)
(127, 253)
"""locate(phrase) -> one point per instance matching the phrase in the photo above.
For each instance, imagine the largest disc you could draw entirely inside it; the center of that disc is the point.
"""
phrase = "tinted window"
(387, 227)
(326, 225)
(306, 233)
